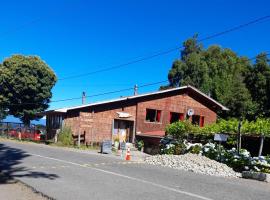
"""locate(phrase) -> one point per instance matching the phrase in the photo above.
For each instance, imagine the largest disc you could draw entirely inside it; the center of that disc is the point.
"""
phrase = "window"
(153, 115)
(198, 120)
(174, 117)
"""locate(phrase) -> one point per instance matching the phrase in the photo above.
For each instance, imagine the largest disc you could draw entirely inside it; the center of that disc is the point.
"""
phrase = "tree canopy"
(26, 83)
(236, 82)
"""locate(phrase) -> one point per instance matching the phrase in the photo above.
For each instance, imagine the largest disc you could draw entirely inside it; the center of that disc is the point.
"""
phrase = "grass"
(51, 143)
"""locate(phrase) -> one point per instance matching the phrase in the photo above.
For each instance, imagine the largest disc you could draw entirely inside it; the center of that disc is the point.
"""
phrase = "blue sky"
(77, 36)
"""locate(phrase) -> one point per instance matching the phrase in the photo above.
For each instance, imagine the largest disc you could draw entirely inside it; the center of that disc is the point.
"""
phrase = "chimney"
(83, 98)
(135, 90)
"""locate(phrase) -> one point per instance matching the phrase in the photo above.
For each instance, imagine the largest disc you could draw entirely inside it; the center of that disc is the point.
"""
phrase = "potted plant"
(140, 145)
(116, 143)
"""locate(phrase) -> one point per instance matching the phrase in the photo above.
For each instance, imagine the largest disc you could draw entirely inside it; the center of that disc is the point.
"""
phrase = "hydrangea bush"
(239, 162)
(179, 131)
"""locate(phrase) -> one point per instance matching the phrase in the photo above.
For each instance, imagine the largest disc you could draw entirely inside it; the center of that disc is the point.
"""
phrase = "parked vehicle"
(18, 130)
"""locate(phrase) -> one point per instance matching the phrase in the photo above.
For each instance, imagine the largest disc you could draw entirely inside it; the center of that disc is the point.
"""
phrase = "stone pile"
(194, 163)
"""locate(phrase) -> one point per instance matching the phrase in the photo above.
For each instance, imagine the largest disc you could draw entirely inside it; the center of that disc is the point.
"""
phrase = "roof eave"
(211, 99)
(64, 110)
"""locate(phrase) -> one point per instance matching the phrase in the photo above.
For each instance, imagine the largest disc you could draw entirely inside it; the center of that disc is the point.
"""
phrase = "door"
(123, 130)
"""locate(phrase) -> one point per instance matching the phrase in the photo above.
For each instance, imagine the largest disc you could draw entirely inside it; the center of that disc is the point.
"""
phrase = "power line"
(168, 50)
(128, 89)
(235, 28)
(99, 94)
(121, 65)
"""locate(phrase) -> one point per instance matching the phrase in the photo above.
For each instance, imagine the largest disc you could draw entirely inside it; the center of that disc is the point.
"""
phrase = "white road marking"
(127, 177)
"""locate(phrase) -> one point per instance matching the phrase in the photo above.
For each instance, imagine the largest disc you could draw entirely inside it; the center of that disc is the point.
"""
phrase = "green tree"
(216, 71)
(237, 98)
(3, 113)
(191, 69)
(27, 83)
(258, 81)
(3, 99)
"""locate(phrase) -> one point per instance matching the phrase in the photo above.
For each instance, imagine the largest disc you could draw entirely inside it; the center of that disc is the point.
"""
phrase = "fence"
(19, 131)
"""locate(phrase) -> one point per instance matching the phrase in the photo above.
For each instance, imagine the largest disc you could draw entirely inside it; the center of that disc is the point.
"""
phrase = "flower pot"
(116, 145)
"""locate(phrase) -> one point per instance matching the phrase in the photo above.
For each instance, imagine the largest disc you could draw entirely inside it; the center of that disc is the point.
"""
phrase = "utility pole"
(135, 90)
(83, 98)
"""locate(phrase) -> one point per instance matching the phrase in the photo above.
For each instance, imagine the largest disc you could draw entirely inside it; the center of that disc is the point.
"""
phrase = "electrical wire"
(235, 28)
(127, 89)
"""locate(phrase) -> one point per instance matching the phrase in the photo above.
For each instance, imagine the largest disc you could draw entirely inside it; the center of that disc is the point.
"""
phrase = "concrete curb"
(259, 176)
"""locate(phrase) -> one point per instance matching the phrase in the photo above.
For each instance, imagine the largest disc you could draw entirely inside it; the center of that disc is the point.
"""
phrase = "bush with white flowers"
(239, 162)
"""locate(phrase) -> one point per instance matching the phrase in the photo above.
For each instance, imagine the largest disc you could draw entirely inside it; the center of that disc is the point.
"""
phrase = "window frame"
(180, 118)
(156, 114)
(201, 121)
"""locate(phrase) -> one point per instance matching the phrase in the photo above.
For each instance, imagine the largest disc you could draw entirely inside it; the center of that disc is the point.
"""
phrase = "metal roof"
(64, 110)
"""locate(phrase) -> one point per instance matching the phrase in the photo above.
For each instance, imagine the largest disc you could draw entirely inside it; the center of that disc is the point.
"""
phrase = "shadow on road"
(10, 158)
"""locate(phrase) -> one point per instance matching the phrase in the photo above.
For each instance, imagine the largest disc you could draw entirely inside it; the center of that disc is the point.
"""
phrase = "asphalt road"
(68, 174)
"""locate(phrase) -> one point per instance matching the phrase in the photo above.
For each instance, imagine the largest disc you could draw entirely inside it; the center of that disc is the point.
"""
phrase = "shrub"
(179, 148)
(140, 144)
(65, 136)
(172, 146)
(196, 149)
(210, 150)
(180, 129)
(239, 162)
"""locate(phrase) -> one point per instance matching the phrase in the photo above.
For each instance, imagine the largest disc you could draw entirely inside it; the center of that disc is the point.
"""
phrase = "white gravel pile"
(194, 163)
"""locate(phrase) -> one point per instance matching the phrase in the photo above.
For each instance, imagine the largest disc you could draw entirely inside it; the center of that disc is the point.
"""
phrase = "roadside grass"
(52, 143)
(82, 146)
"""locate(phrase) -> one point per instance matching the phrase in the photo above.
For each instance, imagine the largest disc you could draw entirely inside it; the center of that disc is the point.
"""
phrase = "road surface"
(69, 174)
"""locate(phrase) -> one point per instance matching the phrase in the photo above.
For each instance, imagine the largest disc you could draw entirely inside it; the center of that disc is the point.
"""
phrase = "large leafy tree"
(26, 84)
(258, 82)
(3, 99)
(190, 69)
(219, 72)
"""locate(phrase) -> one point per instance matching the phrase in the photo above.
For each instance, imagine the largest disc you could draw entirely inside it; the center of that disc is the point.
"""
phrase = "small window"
(196, 120)
(174, 117)
(153, 115)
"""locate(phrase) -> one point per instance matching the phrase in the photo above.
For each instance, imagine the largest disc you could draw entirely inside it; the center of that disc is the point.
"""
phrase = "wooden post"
(261, 145)
(79, 140)
(219, 151)
(7, 130)
(239, 137)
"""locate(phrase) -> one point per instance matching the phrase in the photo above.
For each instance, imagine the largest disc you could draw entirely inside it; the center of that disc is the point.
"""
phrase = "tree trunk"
(26, 122)
(261, 145)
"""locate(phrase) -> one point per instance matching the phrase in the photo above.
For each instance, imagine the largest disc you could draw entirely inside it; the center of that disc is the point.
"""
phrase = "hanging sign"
(123, 115)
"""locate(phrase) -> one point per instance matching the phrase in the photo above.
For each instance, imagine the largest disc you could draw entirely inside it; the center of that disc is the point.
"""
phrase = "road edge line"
(127, 177)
